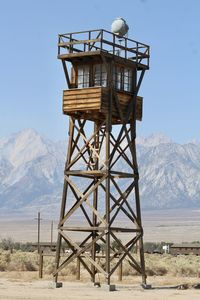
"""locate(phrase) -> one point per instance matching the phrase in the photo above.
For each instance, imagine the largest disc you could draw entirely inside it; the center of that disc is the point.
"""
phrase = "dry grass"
(160, 265)
(156, 265)
(18, 261)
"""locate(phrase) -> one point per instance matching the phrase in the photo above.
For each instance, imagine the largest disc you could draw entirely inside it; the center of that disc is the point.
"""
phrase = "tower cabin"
(103, 75)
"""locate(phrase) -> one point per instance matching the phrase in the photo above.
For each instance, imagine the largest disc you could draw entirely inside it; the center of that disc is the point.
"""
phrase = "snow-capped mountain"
(31, 169)
(153, 140)
(31, 172)
(170, 175)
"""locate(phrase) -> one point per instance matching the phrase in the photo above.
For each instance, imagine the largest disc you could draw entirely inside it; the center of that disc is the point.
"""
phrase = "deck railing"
(105, 41)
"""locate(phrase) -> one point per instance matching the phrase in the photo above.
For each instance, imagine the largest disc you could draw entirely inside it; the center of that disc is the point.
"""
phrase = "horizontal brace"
(121, 174)
(93, 173)
(96, 228)
(120, 229)
(79, 228)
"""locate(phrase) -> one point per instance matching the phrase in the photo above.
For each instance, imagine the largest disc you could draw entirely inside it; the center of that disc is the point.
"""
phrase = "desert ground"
(19, 271)
(170, 278)
(32, 289)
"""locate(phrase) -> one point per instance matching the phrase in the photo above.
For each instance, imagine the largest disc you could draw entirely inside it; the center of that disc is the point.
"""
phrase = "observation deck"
(103, 77)
(92, 43)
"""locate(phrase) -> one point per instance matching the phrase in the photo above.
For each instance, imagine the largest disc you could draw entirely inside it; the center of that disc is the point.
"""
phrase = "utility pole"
(39, 220)
(51, 233)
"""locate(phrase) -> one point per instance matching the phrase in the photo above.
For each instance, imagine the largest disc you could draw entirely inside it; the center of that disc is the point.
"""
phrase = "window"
(100, 75)
(83, 76)
(118, 78)
(96, 75)
(127, 80)
(122, 78)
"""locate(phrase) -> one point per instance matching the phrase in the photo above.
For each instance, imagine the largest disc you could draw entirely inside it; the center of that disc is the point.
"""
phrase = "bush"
(9, 244)
(4, 260)
(23, 262)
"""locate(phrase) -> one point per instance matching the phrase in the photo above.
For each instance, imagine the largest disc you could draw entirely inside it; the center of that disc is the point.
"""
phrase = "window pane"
(118, 79)
(97, 79)
(126, 72)
(86, 70)
(97, 75)
(126, 87)
(127, 80)
(83, 76)
(80, 81)
(86, 79)
(104, 79)
(100, 75)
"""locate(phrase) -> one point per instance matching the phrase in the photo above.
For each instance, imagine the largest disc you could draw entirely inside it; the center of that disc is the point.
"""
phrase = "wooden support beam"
(83, 250)
(66, 73)
(125, 196)
(127, 252)
(83, 197)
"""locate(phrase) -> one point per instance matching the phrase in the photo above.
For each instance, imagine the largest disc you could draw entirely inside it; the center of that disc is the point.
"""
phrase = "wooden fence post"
(120, 272)
(41, 264)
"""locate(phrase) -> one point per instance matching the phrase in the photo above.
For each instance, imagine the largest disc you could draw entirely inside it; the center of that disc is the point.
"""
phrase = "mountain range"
(31, 173)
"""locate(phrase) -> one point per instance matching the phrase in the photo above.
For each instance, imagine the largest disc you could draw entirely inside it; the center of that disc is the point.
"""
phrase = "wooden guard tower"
(100, 202)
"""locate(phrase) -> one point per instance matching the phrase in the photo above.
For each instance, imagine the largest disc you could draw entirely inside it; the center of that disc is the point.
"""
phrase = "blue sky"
(32, 78)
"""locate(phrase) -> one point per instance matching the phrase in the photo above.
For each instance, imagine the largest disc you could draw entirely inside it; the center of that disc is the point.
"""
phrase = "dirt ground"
(31, 288)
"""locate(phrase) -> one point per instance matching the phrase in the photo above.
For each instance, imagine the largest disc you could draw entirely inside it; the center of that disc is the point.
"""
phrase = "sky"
(32, 79)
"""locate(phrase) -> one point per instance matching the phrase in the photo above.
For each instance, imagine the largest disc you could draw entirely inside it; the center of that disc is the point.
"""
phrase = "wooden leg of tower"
(95, 197)
(59, 239)
(108, 128)
(141, 248)
(63, 204)
(108, 231)
(136, 86)
(57, 259)
(138, 209)
(108, 131)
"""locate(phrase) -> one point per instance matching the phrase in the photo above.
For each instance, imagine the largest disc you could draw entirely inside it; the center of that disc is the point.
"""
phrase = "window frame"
(95, 74)
(119, 78)
(103, 76)
(85, 83)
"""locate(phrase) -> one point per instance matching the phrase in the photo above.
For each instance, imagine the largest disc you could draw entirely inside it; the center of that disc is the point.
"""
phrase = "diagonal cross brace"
(82, 197)
(82, 250)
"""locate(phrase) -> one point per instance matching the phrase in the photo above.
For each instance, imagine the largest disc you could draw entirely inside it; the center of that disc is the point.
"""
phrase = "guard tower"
(100, 202)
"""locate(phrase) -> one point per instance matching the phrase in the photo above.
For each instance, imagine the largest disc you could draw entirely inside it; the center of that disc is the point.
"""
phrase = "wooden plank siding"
(81, 99)
(185, 249)
(94, 101)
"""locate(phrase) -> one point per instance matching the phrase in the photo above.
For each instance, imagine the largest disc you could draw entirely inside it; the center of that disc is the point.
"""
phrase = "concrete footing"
(109, 288)
(146, 286)
(56, 285)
